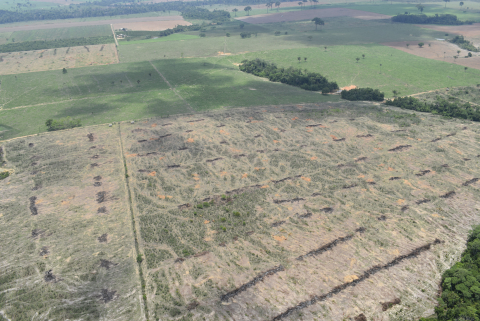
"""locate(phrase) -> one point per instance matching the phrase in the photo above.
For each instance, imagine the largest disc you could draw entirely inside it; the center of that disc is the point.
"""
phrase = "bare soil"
(439, 50)
(151, 25)
(310, 14)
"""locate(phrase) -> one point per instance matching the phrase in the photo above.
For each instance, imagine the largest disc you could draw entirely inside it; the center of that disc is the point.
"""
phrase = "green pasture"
(13, 5)
(337, 31)
(5, 37)
(61, 33)
(174, 37)
(87, 93)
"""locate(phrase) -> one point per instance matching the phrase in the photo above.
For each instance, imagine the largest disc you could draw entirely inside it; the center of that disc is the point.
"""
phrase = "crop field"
(57, 59)
(245, 214)
(68, 250)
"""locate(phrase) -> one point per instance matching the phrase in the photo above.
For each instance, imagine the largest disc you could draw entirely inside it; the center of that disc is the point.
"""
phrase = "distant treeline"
(106, 8)
(460, 294)
(440, 107)
(442, 19)
(363, 94)
(201, 13)
(290, 76)
(50, 44)
(464, 44)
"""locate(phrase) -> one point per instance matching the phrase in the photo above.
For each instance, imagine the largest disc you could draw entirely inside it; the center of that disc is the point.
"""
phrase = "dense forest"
(290, 76)
(443, 19)
(460, 298)
(363, 94)
(200, 13)
(464, 44)
(105, 8)
(50, 44)
(440, 106)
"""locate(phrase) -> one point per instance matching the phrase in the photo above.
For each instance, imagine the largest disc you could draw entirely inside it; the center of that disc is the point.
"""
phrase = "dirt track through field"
(310, 14)
(64, 24)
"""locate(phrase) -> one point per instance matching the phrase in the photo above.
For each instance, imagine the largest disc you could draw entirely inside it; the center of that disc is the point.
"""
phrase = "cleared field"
(151, 25)
(439, 50)
(61, 33)
(313, 13)
(337, 31)
(68, 250)
(245, 214)
(55, 59)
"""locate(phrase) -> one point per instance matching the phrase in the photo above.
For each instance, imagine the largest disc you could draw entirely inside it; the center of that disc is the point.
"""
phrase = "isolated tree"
(446, 2)
(325, 48)
(138, 82)
(235, 10)
(299, 59)
(315, 2)
(395, 93)
(318, 22)
(64, 70)
(461, 3)
(465, 68)
(277, 5)
(310, 38)
(408, 45)
(420, 7)
(420, 44)
(248, 9)
(455, 58)
(300, 4)
(242, 25)
(305, 59)
(363, 56)
(269, 5)
(458, 52)
(357, 59)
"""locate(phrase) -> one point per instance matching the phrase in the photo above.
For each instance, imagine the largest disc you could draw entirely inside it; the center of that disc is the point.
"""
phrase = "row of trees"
(369, 94)
(440, 106)
(464, 44)
(290, 76)
(460, 298)
(204, 14)
(58, 43)
(443, 19)
(62, 123)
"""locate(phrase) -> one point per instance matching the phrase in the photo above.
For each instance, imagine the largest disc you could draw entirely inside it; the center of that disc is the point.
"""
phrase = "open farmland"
(55, 59)
(223, 197)
(68, 250)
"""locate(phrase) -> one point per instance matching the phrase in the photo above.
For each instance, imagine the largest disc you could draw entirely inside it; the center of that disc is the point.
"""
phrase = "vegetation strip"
(330, 245)
(50, 44)
(367, 274)
(137, 248)
(251, 283)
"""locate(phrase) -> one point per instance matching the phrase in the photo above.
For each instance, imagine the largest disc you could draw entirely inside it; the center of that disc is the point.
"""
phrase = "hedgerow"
(363, 94)
(443, 19)
(62, 123)
(58, 43)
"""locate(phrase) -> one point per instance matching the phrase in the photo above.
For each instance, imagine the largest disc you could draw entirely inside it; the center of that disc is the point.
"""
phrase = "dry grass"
(54, 59)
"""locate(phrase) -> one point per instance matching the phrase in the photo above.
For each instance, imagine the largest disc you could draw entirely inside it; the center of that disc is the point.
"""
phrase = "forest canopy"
(442, 19)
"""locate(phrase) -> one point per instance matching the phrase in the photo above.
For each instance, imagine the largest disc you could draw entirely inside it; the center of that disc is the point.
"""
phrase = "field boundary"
(134, 227)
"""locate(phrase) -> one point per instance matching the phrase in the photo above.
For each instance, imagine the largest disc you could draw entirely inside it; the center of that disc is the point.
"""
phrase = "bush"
(62, 123)
(363, 94)
(464, 44)
(245, 35)
(202, 34)
(294, 77)
(139, 258)
(4, 175)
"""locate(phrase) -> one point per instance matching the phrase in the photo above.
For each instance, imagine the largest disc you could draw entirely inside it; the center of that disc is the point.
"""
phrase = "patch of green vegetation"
(61, 33)
(50, 44)
(63, 123)
(4, 175)
(464, 44)
(362, 94)
(155, 256)
(174, 37)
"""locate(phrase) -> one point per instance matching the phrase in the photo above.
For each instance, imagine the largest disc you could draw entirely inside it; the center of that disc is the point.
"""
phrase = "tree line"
(62, 123)
(442, 19)
(291, 76)
(201, 13)
(363, 94)
(464, 44)
(440, 106)
(58, 43)
(460, 298)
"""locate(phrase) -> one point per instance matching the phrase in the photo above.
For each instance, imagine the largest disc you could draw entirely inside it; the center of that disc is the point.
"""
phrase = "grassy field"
(174, 37)
(338, 31)
(224, 197)
(61, 33)
(13, 5)
(66, 253)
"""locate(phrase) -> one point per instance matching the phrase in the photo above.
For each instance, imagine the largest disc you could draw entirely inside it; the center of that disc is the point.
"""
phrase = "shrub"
(4, 175)
(363, 94)
(62, 123)
(139, 258)
(202, 34)
(245, 35)
(464, 44)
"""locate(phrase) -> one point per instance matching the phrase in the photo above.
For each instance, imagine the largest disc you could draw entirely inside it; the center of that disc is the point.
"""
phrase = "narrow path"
(143, 297)
(171, 87)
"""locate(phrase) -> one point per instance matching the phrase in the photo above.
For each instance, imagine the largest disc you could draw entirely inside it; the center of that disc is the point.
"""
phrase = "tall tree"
(277, 5)
(420, 7)
(446, 2)
(235, 10)
(357, 59)
(248, 9)
(315, 3)
(461, 3)
(317, 22)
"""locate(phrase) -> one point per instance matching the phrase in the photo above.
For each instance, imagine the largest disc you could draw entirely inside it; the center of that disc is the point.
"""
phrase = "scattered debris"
(394, 178)
(201, 254)
(388, 305)
(306, 215)
(404, 208)
(278, 223)
(361, 159)
(382, 218)
(339, 139)
(399, 148)
(36, 232)
(173, 166)
(102, 238)
(106, 264)
(422, 173)
(179, 260)
(449, 194)
(214, 160)
(184, 206)
(90, 137)
(364, 136)
(94, 165)
(102, 210)
(471, 181)
(422, 201)
(327, 210)
(48, 277)
(33, 207)
(44, 251)
(315, 125)
(192, 305)
(297, 199)
(101, 196)
(97, 184)
(108, 296)
(98, 178)
(360, 317)
(436, 140)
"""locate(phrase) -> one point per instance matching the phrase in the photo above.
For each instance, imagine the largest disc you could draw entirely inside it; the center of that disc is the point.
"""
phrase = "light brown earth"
(41, 60)
(66, 24)
(310, 14)
(151, 25)
(439, 50)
